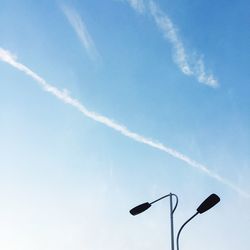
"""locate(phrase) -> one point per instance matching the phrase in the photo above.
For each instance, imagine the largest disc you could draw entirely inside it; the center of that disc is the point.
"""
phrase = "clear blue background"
(68, 182)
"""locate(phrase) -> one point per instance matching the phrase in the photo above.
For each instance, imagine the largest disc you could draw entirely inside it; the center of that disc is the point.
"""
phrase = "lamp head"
(140, 208)
(211, 201)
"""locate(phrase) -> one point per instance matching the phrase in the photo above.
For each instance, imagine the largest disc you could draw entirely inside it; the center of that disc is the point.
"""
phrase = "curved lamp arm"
(144, 206)
(211, 201)
(178, 235)
(176, 197)
(177, 200)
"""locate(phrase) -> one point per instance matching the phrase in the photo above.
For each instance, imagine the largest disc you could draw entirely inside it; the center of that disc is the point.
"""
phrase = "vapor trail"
(81, 30)
(190, 65)
(7, 57)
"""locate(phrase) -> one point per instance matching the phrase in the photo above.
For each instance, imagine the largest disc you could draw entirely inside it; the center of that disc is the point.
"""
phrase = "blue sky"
(107, 104)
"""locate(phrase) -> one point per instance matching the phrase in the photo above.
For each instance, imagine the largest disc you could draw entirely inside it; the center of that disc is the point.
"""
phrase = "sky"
(108, 104)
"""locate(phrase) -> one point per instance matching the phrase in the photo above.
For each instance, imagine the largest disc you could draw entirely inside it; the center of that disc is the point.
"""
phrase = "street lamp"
(141, 208)
(211, 201)
(208, 203)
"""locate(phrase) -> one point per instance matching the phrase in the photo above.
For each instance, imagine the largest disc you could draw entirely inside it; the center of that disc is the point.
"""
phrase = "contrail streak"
(82, 32)
(190, 65)
(7, 57)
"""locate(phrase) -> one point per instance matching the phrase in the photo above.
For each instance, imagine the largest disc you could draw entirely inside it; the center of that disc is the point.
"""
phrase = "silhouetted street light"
(141, 208)
(211, 201)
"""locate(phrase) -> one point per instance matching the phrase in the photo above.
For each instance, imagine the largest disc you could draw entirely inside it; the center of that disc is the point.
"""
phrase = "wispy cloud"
(65, 97)
(188, 64)
(138, 5)
(169, 31)
(81, 30)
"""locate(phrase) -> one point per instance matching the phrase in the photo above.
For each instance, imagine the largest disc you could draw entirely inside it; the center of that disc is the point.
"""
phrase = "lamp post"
(144, 206)
(208, 203)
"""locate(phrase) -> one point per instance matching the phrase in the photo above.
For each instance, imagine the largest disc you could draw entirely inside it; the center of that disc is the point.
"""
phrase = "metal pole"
(178, 234)
(172, 221)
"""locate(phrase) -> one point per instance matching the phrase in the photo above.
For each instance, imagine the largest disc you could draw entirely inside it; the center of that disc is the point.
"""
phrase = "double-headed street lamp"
(211, 200)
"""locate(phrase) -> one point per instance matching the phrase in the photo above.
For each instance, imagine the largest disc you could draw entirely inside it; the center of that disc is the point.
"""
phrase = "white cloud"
(204, 77)
(7, 56)
(66, 98)
(81, 30)
(138, 5)
(170, 33)
(189, 65)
